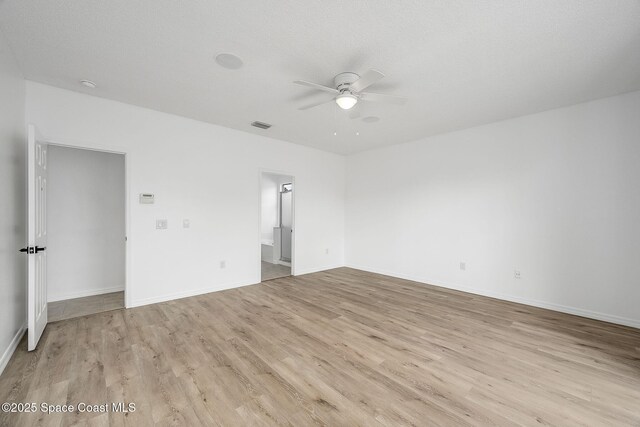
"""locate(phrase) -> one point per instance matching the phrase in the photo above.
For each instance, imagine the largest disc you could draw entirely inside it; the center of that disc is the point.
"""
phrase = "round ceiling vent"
(229, 61)
(371, 119)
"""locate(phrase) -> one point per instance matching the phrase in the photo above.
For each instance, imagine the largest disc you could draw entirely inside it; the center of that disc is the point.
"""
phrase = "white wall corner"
(6, 356)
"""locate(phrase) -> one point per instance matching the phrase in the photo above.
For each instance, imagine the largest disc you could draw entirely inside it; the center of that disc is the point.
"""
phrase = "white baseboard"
(186, 294)
(201, 291)
(634, 323)
(6, 356)
(318, 269)
(87, 293)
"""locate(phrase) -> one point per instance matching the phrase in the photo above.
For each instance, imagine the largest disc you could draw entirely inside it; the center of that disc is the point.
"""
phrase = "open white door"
(37, 234)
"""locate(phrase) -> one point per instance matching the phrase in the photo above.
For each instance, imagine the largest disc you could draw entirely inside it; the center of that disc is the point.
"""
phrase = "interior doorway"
(277, 225)
(86, 232)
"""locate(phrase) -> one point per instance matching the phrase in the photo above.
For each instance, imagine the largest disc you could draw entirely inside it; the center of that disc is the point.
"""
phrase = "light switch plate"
(186, 223)
(147, 198)
(161, 224)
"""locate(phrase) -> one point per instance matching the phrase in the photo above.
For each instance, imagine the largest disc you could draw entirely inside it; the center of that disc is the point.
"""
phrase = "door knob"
(33, 249)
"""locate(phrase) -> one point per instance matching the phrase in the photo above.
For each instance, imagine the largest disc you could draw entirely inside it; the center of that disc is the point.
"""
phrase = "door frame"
(128, 295)
(293, 218)
(280, 193)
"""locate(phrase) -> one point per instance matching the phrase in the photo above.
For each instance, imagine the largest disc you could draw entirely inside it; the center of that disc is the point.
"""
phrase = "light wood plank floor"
(341, 347)
(77, 307)
(274, 271)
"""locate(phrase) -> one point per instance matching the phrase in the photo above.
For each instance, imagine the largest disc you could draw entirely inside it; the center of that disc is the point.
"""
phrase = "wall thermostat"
(146, 198)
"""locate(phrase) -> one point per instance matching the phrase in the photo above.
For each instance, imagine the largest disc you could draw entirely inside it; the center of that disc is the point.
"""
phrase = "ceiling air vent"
(261, 125)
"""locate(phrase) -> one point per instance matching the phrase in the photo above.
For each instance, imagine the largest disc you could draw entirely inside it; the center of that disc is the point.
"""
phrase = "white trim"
(179, 295)
(6, 356)
(634, 323)
(87, 293)
(207, 290)
(318, 269)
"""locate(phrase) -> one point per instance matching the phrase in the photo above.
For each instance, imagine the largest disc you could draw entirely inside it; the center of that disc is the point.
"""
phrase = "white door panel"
(37, 237)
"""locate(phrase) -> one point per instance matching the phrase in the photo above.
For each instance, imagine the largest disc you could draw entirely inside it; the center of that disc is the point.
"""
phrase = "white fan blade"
(316, 86)
(366, 80)
(380, 97)
(315, 104)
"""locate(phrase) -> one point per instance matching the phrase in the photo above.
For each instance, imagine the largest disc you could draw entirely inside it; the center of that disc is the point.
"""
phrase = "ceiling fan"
(348, 90)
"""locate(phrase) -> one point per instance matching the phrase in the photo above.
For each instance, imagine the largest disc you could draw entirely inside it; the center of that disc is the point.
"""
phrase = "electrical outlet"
(223, 264)
(186, 223)
(516, 274)
(161, 224)
(463, 266)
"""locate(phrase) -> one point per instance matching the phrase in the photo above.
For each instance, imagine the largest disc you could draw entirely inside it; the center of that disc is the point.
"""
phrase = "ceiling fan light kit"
(346, 100)
(348, 90)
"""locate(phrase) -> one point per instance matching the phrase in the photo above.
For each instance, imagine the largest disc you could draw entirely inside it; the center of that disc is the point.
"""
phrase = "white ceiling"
(461, 63)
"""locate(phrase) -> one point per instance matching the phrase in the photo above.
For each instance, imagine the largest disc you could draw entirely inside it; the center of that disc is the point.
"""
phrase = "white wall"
(86, 219)
(555, 195)
(12, 204)
(205, 173)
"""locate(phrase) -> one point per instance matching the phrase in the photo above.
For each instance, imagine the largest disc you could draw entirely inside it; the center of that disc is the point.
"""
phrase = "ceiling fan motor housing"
(344, 80)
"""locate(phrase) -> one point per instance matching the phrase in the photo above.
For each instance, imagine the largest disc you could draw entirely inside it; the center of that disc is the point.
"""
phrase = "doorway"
(86, 236)
(277, 213)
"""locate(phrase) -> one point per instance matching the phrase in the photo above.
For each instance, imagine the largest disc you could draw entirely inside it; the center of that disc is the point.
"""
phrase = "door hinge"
(29, 250)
